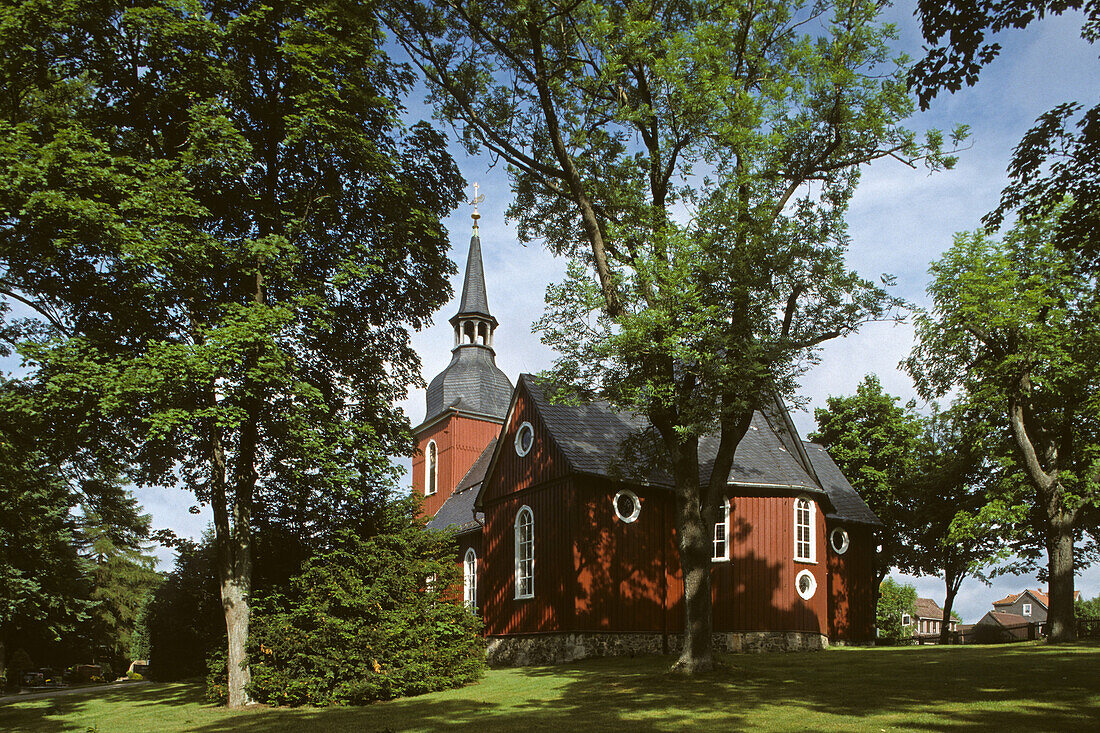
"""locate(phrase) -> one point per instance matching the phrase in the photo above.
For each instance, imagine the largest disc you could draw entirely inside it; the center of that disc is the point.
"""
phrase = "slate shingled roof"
(458, 511)
(471, 382)
(596, 439)
(848, 505)
(474, 299)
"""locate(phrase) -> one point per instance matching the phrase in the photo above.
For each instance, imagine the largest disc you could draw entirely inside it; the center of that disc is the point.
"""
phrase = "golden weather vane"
(475, 201)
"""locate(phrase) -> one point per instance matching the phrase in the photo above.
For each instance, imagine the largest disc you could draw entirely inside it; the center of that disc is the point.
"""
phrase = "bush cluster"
(372, 619)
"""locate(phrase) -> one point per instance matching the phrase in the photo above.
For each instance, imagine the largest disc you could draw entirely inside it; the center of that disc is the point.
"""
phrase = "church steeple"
(474, 324)
(472, 382)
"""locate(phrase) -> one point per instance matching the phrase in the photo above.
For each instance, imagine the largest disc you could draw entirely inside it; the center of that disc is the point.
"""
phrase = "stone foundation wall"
(522, 651)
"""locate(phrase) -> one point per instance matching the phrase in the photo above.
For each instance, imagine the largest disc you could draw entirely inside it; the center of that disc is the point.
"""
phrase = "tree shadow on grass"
(57, 713)
(922, 689)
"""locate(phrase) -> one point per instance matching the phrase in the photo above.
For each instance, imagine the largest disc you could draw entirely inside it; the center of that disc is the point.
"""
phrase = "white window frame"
(844, 543)
(469, 579)
(808, 594)
(431, 469)
(724, 525)
(525, 565)
(1026, 609)
(519, 439)
(906, 619)
(633, 516)
(804, 503)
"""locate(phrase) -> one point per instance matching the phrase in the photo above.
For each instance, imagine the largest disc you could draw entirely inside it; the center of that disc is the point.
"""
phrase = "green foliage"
(122, 576)
(225, 232)
(362, 622)
(1087, 608)
(895, 601)
(1013, 325)
(184, 618)
(876, 443)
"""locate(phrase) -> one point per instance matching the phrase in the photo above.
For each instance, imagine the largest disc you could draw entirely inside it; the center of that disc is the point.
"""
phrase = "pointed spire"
(474, 300)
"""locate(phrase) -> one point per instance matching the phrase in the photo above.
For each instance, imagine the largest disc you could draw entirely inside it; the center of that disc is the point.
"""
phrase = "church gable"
(526, 453)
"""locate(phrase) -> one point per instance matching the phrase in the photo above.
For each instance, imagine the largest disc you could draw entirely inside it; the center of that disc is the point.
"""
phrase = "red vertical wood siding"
(620, 568)
(514, 473)
(851, 588)
(459, 440)
(548, 610)
(538, 480)
(755, 590)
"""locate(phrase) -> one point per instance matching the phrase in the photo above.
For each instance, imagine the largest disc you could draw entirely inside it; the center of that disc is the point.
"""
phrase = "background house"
(929, 620)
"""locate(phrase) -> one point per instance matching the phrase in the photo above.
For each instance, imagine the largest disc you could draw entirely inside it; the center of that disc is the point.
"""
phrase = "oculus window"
(627, 506)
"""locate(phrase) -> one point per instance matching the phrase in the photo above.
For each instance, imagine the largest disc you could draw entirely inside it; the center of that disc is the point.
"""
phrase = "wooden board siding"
(512, 472)
(755, 590)
(851, 588)
(625, 574)
(548, 610)
(460, 439)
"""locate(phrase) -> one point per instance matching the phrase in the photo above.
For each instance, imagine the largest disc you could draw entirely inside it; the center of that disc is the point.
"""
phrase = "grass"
(1023, 686)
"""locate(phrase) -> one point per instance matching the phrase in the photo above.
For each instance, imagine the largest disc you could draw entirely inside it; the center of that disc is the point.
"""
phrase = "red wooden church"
(567, 553)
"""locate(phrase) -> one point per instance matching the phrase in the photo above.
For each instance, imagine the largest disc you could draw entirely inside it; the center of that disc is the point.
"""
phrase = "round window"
(627, 506)
(838, 538)
(525, 438)
(806, 584)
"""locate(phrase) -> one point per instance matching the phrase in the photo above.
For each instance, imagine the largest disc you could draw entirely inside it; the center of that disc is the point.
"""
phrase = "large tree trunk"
(948, 602)
(234, 593)
(695, 654)
(234, 560)
(1060, 619)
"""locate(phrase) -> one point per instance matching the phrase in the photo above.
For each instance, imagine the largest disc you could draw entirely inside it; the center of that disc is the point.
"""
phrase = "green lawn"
(1024, 686)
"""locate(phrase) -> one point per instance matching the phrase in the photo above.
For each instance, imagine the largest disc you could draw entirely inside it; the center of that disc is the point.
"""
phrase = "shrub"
(362, 622)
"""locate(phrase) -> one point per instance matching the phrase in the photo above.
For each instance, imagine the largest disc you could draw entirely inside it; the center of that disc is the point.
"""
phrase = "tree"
(1013, 325)
(225, 233)
(876, 443)
(122, 576)
(44, 594)
(377, 604)
(1053, 159)
(184, 621)
(952, 535)
(895, 602)
(1087, 609)
(694, 161)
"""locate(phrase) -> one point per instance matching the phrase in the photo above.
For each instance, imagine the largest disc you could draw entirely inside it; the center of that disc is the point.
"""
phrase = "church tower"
(467, 401)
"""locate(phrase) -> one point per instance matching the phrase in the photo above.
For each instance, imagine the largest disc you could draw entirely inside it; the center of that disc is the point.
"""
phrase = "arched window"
(525, 553)
(433, 470)
(803, 529)
(722, 533)
(483, 333)
(469, 580)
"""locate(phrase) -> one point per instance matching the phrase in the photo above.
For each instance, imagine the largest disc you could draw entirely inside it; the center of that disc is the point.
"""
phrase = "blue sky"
(900, 220)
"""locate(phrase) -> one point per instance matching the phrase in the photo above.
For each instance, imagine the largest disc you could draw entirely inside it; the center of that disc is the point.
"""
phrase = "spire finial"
(475, 201)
